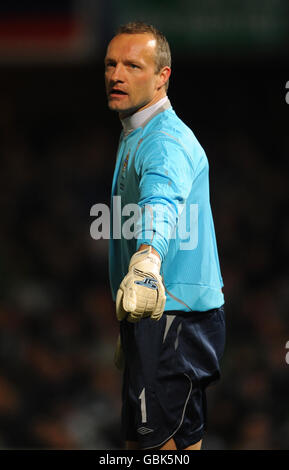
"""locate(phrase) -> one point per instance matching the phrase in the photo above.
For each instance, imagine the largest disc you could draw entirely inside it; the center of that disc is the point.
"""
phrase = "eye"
(134, 66)
(109, 64)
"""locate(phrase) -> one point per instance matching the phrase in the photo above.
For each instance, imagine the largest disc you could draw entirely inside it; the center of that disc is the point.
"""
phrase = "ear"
(163, 76)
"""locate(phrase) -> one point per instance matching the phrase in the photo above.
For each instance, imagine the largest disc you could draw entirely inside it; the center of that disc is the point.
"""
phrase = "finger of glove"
(120, 312)
(129, 298)
(134, 317)
(158, 313)
(138, 314)
(145, 305)
(160, 304)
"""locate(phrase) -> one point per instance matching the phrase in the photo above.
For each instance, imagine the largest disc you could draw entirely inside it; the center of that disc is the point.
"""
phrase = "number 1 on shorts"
(142, 398)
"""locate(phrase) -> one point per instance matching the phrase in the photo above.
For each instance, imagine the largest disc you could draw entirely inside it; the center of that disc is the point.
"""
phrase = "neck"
(144, 115)
(157, 98)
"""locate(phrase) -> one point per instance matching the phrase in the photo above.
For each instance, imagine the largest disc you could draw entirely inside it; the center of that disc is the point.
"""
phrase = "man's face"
(130, 73)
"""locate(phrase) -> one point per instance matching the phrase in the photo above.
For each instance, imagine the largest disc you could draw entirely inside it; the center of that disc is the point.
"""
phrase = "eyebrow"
(126, 61)
(108, 59)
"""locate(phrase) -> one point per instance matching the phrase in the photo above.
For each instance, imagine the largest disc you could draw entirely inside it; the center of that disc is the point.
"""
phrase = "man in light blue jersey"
(165, 275)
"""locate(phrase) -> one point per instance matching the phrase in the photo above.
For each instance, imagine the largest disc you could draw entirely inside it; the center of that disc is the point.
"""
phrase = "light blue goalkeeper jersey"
(162, 170)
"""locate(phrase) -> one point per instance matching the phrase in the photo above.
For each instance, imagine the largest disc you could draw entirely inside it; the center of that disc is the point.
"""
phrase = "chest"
(127, 179)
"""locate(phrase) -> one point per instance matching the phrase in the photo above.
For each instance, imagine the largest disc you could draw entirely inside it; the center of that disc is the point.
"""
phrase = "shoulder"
(167, 120)
(167, 130)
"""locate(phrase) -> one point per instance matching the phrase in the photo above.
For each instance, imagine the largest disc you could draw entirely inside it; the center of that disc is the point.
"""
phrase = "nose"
(117, 74)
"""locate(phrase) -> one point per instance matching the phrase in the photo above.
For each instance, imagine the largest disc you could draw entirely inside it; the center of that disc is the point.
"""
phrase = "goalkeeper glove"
(141, 293)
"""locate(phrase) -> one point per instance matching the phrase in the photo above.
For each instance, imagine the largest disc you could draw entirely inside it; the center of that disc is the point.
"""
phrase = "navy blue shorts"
(169, 364)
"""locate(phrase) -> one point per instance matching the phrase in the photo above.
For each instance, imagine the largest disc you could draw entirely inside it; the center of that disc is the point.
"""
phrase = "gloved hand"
(141, 293)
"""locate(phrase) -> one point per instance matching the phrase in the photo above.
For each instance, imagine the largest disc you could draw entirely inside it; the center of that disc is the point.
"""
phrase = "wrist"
(146, 260)
(155, 252)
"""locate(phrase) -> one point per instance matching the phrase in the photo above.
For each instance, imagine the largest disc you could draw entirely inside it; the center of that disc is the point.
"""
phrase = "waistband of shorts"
(196, 314)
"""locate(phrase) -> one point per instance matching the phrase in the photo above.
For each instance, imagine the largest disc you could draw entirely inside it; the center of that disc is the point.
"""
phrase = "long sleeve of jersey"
(166, 175)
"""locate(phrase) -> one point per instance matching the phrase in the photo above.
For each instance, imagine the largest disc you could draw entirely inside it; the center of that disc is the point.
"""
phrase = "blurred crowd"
(59, 388)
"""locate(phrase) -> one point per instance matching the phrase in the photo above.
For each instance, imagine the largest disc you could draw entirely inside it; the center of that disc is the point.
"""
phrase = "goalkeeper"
(167, 287)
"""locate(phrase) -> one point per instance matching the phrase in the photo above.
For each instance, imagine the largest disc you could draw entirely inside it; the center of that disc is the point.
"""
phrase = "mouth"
(116, 92)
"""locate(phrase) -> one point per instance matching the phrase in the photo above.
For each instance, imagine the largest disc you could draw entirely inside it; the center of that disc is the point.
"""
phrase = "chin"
(115, 107)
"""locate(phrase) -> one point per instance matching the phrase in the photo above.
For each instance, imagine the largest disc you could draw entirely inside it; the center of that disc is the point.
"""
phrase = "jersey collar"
(141, 118)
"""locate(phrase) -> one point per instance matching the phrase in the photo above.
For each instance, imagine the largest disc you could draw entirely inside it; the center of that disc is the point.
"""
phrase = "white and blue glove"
(141, 293)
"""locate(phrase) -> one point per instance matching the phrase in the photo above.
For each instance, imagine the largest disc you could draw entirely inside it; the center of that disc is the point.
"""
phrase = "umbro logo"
(148, 282)
(144, 430)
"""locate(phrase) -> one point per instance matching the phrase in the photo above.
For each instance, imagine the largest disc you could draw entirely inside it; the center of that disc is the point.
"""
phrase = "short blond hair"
(163, 52)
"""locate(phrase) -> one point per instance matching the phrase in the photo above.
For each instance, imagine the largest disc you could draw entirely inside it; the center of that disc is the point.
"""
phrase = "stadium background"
(58, 386)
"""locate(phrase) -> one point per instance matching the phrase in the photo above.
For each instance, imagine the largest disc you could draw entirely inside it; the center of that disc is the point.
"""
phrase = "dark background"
(58, 386)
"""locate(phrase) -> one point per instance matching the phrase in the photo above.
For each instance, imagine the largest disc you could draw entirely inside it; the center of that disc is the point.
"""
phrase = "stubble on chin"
(112, 106)
(123, 112)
